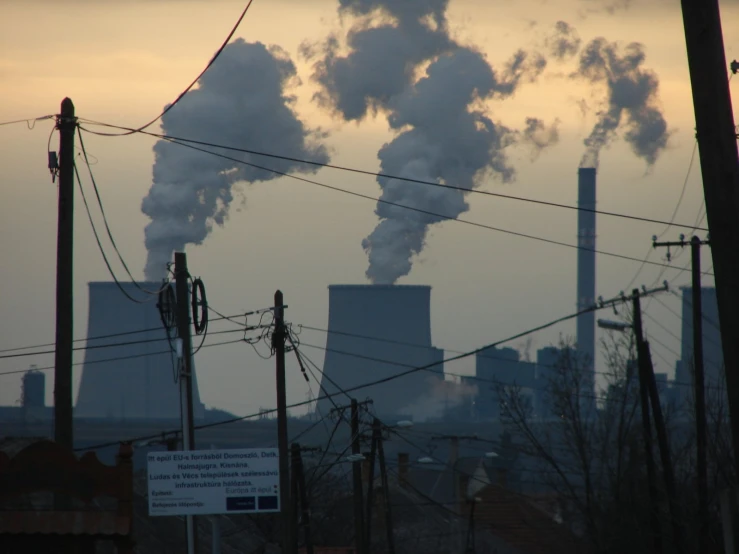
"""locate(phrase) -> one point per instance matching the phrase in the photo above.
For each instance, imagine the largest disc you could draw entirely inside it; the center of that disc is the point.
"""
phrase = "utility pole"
(717, 146)
(385, 495)
(357, 482)
(376, 436)
(698, 386)
(184, 350)
(646, 376)
(278, 346)
(63, 426)
(654, 519)
(302, 496)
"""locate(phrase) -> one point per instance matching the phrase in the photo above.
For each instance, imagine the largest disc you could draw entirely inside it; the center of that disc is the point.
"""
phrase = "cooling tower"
(586, 264)
(386, 322)
(134, 380)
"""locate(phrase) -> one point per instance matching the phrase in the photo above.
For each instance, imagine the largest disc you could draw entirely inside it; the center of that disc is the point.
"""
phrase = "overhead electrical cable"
(112, 335)
(193, 83)
(105, 221)
(386, 175)
(418, 210)
(29, 121)
(118, 358)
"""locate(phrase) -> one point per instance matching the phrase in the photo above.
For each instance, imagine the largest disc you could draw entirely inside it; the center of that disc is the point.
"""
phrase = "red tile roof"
(516, 519)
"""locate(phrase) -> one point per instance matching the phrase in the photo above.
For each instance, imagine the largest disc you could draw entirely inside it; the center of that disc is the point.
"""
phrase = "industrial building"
(129, 371)
(378, 331)
(713, 359)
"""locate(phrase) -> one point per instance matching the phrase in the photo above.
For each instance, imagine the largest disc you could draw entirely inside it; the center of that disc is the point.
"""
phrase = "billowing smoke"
(632, 101)
(241, 101)
(539, 135)
(564, 42)
(443, 396)
(402, 61)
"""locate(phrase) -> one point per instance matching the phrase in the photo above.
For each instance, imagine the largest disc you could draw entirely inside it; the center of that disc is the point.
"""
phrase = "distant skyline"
(122, 62)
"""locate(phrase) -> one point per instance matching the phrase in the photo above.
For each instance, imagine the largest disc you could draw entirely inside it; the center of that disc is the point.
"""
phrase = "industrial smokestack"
(586, 265)
(137, 379)
(387, 322)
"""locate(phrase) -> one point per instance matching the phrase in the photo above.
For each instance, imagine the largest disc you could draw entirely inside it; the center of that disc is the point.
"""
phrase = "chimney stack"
(586, 268)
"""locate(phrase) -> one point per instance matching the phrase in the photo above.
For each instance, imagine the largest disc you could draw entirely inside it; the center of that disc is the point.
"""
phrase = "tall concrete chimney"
(586, 266)
(386, 322)
(141, 384)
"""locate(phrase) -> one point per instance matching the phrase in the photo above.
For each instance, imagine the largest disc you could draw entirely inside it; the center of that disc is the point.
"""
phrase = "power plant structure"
(378, 331)
(586, 195)
(129, 369)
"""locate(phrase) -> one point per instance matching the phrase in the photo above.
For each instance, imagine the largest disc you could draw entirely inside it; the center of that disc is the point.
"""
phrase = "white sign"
(204, 482)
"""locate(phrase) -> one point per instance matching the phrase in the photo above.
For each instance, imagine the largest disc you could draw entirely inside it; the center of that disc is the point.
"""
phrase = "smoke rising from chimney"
(241, 101)
(402, 61)
(632, 100)
(443, 395)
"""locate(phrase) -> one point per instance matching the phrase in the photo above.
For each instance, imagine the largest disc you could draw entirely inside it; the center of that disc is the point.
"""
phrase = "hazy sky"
(121, 62)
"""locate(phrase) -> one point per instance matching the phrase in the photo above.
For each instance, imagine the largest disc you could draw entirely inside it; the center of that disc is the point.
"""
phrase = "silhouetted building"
(586, 234)
(136, 378)
(378, 331)
(498, 370)
(713, 360)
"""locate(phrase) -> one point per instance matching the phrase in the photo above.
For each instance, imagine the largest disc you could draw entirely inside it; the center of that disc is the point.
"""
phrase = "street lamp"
(614, 325)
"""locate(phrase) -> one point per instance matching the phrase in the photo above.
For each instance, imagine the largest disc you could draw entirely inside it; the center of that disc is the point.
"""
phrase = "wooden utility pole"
(646, 376)
(278, 346)
(376, 436)
(654, 519)
(698, 387)
(386, 497)
(357, 482)
(716, 135)
(63, 427)
(184, 351)
(303, 497)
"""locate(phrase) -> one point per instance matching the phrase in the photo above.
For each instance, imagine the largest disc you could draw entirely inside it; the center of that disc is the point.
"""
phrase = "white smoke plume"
(443, 396)
(632, 101)
(241, 101)
(442, 131)
(564, 42)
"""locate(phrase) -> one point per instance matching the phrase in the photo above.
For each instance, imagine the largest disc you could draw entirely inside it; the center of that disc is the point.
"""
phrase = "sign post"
(209, 482)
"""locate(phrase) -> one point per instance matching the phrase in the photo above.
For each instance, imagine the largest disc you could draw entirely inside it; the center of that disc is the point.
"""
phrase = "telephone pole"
(184, 350)
(698, 385)
(716, 135)
(646, 376)
(385, 493)
(357, 482)
(279, 336)
(63, 425)
(654, 519)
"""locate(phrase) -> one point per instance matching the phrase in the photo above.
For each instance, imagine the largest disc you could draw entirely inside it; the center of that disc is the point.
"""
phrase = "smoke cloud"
(632, 101)
(539, 135)
(241, 101)
(564, 42)
(401, 60)
(443, 396)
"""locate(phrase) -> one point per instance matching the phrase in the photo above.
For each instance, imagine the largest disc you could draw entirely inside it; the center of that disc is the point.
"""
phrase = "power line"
(31, 121)
(112, 335)
(113, 345)
(411, 208)
(105, 221)
(388, 175)
(192, 84)
(672, 218)
(100, 244)
(118, 358)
